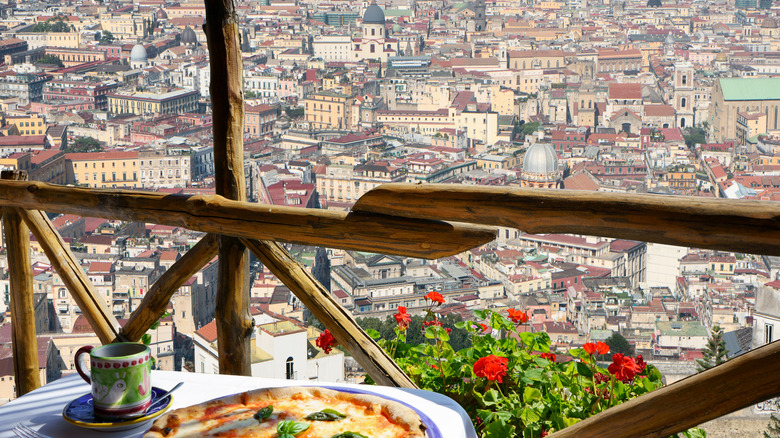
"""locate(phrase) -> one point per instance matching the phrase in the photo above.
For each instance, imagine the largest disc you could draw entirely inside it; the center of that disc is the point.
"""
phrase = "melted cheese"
(238, 420)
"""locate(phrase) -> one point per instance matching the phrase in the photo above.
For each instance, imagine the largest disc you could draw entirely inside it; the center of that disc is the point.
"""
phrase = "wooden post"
(159, 295)
(419, 238)
(338, 320)
(234, 323)
(73, 276)
(23, 335)
(741, 382)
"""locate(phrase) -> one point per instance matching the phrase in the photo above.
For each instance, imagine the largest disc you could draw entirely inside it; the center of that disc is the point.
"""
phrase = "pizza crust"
(397, 413)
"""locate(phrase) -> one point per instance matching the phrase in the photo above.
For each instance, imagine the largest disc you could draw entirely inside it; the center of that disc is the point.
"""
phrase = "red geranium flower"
(640, 362)
(548, 356)
(435, 321)
(491, 367)
(517, 316)
(435, 297)
(402, 318)
(326, 341)
(485, 328)
(600, 348)
(623, 368)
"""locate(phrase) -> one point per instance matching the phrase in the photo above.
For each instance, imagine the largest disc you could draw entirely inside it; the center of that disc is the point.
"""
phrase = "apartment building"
(327, 110)
(103, 169)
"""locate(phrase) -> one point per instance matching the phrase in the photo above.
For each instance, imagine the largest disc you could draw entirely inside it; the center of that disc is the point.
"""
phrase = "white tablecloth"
(42, 409)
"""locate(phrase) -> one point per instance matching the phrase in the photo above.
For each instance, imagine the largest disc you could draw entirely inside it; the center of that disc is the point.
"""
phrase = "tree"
(715, 353)
(773, 430)
(84, 144)
(530, 128)
(618, 344)
(694, 136)
(106, 37)
(50, 59)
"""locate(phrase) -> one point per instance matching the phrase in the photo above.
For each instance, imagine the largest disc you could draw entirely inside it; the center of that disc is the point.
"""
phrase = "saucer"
(79, 412)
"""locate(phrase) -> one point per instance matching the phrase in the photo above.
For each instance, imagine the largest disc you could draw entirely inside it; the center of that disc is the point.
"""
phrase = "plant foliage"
(508, 380)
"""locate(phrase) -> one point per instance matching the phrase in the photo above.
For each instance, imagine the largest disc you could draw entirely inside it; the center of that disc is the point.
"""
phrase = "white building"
(282, 348)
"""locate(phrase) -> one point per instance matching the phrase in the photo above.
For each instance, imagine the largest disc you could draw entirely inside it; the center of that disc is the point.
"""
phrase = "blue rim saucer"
(80, 413)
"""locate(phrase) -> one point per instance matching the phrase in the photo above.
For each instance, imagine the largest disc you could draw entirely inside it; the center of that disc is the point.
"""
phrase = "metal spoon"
(163, 397)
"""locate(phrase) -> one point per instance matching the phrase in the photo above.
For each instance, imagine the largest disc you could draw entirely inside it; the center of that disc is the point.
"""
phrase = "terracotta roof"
(208, 331)
(625, 91)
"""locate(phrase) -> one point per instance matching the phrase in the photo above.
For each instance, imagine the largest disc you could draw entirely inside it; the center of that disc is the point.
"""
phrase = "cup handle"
(77, 359)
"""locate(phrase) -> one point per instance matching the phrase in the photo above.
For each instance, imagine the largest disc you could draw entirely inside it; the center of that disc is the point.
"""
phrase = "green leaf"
(531, 394)
(442, 335)
(491, 397)
(430, 332)
(498, 429)
(481, 314)
(584, 370)
(529, 415)
(460, 325)
(146, 339)
(326, 415)
(349, 434)
(263, 413)
(373, 333)
(290, 427)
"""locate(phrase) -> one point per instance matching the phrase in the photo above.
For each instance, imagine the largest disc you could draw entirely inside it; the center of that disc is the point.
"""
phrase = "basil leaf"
(349, 435)
(290, 427)
(326, 415)
(263, 413)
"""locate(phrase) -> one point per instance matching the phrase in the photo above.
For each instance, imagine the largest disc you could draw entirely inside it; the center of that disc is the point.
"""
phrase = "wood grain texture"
(732, 225)
(741, 382)
(158, 297)
(234, 323)
(429, 239)
(23, 334)
(20, 278)
(335, 318)
(93, 307)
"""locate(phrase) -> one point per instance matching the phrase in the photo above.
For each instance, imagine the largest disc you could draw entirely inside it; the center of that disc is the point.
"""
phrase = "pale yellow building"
(327, 110)
(172, 102)
(31, 124)
(103, 169)
(535, 59)
(750, 125)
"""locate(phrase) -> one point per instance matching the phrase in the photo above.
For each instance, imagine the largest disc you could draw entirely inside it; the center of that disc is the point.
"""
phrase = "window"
(373, 48)
(768, 333)
(290, 368)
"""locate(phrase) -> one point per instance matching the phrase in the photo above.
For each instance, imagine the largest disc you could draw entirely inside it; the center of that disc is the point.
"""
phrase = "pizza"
(292, 412)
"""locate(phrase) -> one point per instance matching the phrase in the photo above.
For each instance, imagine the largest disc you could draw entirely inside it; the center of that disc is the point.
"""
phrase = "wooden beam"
(337, 319)
(159, 295)
(732, 225)
(429, 239)
(234, 323)
(741, 382)
(73, 276)
(23, 334)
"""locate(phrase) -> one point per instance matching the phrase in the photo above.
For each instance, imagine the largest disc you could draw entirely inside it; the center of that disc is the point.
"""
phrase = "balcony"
(424, 221)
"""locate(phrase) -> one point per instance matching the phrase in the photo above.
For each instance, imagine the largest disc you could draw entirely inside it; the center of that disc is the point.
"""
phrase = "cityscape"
(633, 97)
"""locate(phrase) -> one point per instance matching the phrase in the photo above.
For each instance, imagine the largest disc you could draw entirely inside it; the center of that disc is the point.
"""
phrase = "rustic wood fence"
(423, 221)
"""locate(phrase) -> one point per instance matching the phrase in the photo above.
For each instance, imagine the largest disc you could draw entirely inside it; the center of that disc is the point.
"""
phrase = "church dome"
(721, 57)
(374, 15)
(540, 166)
(188, 36)
(161, 14)
(138, 53)
(540, 158)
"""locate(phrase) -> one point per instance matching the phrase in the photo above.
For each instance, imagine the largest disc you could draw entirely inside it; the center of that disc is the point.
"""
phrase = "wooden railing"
(424, 221)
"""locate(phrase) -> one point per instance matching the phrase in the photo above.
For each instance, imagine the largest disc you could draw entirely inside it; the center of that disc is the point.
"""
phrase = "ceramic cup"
(120, 375)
